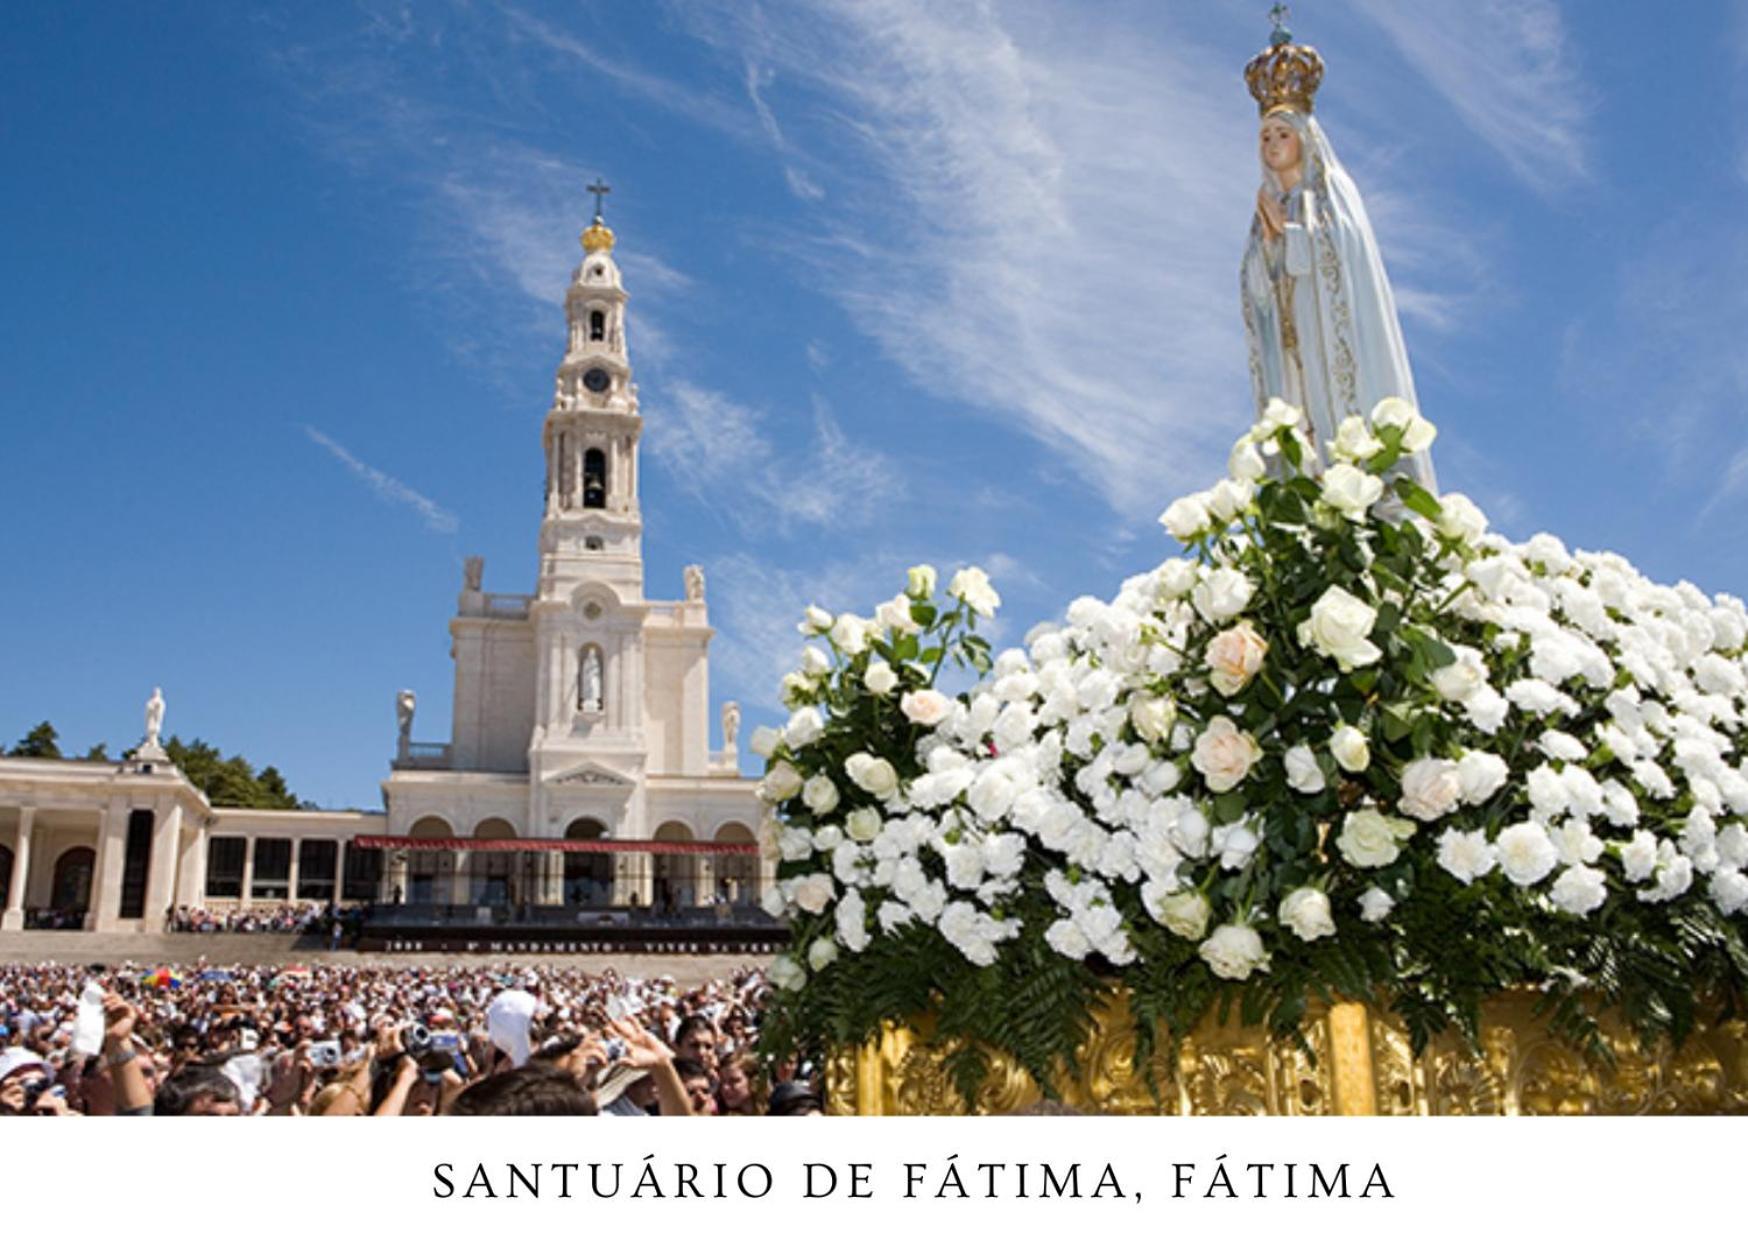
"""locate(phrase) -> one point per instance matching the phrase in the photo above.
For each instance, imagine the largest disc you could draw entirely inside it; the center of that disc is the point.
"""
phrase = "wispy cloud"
(1509, 70)
(720, 452)
(387, 487)
(1039, 214)
(1732, 486)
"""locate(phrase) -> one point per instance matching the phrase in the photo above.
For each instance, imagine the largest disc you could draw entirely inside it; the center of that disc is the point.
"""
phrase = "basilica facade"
(584, 767)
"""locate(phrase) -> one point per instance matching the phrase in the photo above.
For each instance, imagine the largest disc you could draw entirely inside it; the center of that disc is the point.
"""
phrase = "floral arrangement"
(1350, 744)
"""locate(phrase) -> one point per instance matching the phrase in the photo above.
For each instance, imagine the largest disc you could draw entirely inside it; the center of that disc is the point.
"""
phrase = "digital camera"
(325, 1054)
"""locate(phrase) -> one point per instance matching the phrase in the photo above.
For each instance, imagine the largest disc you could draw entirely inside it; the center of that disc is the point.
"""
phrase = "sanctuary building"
(580, 771)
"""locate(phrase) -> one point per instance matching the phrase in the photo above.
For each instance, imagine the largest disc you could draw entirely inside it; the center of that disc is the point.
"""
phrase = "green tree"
(231, 781)
(39, 742)
(97, 753)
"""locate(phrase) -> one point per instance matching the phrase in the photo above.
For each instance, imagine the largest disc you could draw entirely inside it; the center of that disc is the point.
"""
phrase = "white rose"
(879, 679)
(1352, 751)
(971, 586)
(1639, 856)
(1459, 518)
(1729, 891)
(821, 953)
(872, 775)
(926, 707)
(1526, 854)
(1177, 578)
(785, 974)
(780, 783)
(1186, 518)
(1431, 788)
(794, 844)
(1153, 717)
(1354, 440)
(1234, 658)
(1246, 463)
(1228, 498)
(1307, 913)
(1370, 838)
(815, 663)
(1303, 773)
(813, 892)
(820, 795)
(849, 634)
(1466, 855)
(1235, 951)
(1459, 680)
(919, 580)
(1224, 754)
(804, 727)
(1580, 890)
(1338, 628)
(894, 614)
(774, 902)
(862, 825)
(1375, 904)
(1184, 913)
(815, 621)
(1481, 774)
(1417, 432)
(1222, 594)
(992, 794)
(1277, 415)
(764, 741)
(1351, 491)
(796, 689)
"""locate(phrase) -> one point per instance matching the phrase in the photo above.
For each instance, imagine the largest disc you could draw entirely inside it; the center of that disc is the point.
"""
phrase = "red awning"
(704, 847)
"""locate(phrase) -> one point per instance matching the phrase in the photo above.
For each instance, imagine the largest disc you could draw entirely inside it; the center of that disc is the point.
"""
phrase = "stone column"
(161, 877)
(291, 874)
(339, 869)
(13, 918)
(191, 881)
(105, 908)
(461, 880)
(243, 896)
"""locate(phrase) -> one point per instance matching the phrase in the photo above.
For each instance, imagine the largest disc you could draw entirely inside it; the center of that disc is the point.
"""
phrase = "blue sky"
(912, 280)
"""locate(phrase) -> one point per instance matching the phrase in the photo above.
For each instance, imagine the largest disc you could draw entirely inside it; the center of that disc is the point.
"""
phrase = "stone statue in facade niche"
(591, 699)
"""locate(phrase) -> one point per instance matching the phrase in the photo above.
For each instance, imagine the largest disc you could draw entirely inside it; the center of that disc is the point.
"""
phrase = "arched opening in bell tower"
(594, 478)
(597, 325)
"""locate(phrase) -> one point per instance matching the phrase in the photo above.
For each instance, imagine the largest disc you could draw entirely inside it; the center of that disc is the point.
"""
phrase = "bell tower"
(592, 528)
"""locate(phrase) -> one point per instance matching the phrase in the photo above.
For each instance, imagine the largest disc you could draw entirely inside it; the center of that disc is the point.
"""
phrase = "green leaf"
(1419, 499)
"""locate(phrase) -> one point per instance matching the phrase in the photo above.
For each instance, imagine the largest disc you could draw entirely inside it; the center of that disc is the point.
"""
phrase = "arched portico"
(588, 877)
(737, 875)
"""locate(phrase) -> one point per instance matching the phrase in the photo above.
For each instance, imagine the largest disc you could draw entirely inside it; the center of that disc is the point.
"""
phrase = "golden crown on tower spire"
(597, 237)
(1285, 75)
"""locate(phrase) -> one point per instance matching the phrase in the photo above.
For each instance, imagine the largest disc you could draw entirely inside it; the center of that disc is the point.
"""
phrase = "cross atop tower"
(1278, 15)
(600, 189)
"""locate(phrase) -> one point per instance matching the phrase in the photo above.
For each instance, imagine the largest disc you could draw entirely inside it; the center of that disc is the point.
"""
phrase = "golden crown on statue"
(1284, 75)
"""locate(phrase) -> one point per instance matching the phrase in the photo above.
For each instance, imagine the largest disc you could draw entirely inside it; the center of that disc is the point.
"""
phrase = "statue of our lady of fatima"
(1318, 313)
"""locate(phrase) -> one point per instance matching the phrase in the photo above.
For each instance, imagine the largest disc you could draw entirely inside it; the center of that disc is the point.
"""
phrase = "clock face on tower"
(597, 380)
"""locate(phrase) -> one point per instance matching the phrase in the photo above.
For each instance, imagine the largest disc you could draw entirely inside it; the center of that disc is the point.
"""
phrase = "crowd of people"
(296, 918)
(320, 1040)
